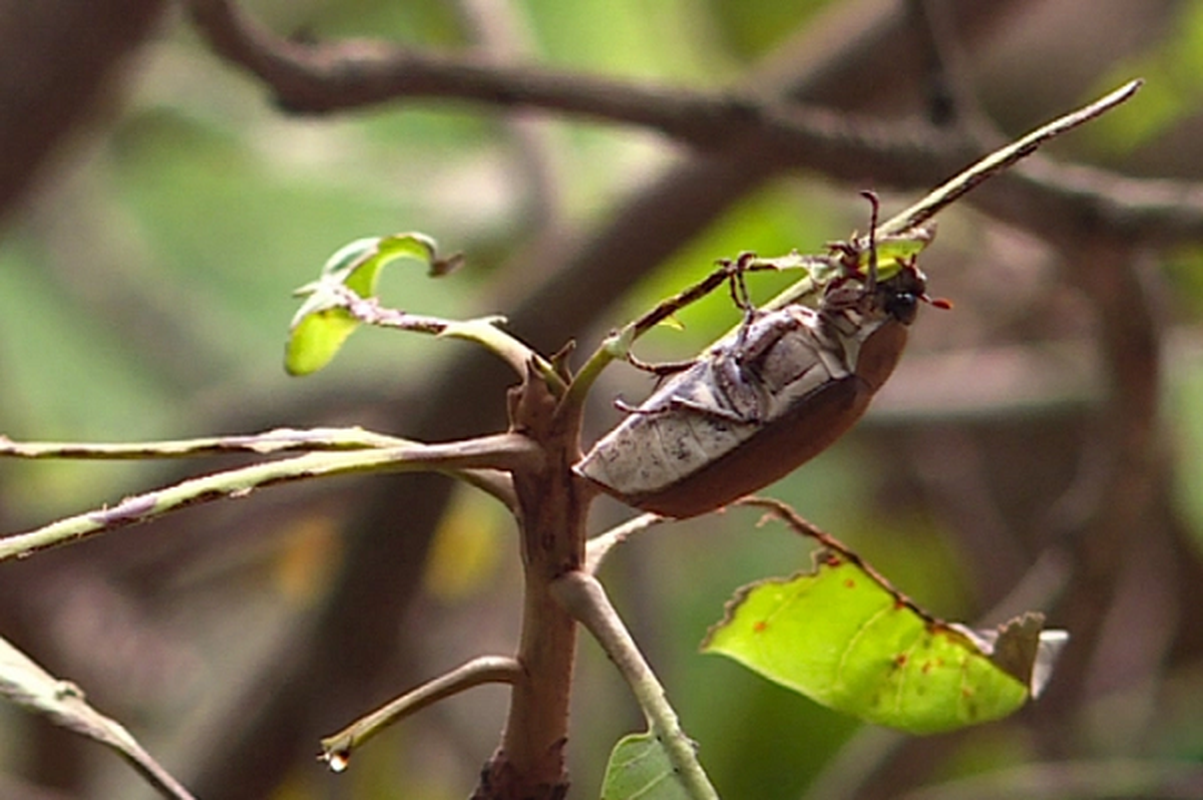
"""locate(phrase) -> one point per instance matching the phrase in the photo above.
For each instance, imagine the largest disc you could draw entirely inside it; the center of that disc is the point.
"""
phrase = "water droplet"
(338, 760)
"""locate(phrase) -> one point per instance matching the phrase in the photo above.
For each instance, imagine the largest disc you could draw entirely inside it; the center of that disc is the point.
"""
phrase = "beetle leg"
(663, 369)
(677, 403)
(627, 408)
(743, 389)
(874, 209)
(741, 298)
(645, 410)
(726, 268)
(748, 353)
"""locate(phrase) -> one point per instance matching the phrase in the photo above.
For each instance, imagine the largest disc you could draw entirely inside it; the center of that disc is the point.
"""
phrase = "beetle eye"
(903, 306)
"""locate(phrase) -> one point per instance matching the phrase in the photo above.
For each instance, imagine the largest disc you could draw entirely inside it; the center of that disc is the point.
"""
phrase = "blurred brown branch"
(58, 60)
(322, 78)
(744, 138)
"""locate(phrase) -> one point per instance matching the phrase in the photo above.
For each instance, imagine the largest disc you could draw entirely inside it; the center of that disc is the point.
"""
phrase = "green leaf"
(840, 636)
(640, 768)
(323, 323)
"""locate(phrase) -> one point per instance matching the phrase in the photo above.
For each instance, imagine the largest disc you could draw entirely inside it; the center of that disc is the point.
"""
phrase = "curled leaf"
(322, 323)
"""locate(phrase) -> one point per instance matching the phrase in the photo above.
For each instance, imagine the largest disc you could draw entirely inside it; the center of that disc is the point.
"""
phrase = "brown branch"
(58, 61)
(337, 748)
(329, 77)
(850, 59)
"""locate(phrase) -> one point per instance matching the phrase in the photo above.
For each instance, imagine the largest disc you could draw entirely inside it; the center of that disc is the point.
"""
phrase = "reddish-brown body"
(782, 445)
(760, 402)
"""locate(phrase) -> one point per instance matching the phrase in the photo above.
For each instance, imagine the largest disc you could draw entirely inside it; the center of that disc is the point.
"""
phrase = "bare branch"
(24, 682)
(483, 331)
(321, 78)
(503, 451)
(280, 440)
(598, 547)
(336, 749)
(327, 77)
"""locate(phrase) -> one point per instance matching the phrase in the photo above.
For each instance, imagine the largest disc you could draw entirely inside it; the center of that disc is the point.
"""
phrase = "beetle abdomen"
(773, 451)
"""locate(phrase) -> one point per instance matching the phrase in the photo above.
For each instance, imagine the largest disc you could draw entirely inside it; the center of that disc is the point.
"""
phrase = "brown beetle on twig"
(773, 394)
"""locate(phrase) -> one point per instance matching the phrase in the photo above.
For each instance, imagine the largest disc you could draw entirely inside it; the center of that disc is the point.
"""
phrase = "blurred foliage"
(189, 218)
(1173, 69)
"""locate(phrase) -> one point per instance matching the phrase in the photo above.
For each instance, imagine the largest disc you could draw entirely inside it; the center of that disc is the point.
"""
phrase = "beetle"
(779, 390)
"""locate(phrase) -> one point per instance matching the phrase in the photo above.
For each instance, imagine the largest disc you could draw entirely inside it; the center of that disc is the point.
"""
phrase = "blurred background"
(1040, 447)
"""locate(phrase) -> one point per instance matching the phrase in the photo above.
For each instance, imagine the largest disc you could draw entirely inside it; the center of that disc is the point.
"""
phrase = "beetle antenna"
(740, 296)
(875, 208)
(739, 286)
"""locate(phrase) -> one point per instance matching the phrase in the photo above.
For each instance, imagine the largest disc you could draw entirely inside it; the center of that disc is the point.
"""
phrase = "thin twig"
(586, 599)
(27, 684)
(598, 547)
(1003, 158)
(337, 749)
(279, 440)
(806, 528)
(618, 343)
(482, 330)
(503, 451)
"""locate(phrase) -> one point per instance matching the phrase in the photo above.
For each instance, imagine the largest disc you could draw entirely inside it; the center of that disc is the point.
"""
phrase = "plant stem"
(509, 450)
(586, 599)
(280, 440)
(598, 547)
(336, 749)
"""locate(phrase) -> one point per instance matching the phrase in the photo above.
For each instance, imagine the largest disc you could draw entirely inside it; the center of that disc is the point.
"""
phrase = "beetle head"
(861, 287)
(901, 295)
(898, 296)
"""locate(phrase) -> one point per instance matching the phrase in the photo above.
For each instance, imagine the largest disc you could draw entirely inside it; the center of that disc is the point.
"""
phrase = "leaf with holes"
(842, 637)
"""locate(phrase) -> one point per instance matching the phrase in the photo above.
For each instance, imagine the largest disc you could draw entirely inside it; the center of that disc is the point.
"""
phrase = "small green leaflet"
(639, 769)
(845, 640)
(323, 323)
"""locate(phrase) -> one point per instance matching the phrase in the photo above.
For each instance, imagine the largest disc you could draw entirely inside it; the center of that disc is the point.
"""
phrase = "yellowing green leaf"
(316, 339)
(842, 638)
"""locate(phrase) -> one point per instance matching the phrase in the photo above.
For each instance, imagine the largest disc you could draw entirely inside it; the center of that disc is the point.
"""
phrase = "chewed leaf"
(640, 768)
(322, 323)
(846, 641)
(1022, 649)
(895, 249)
